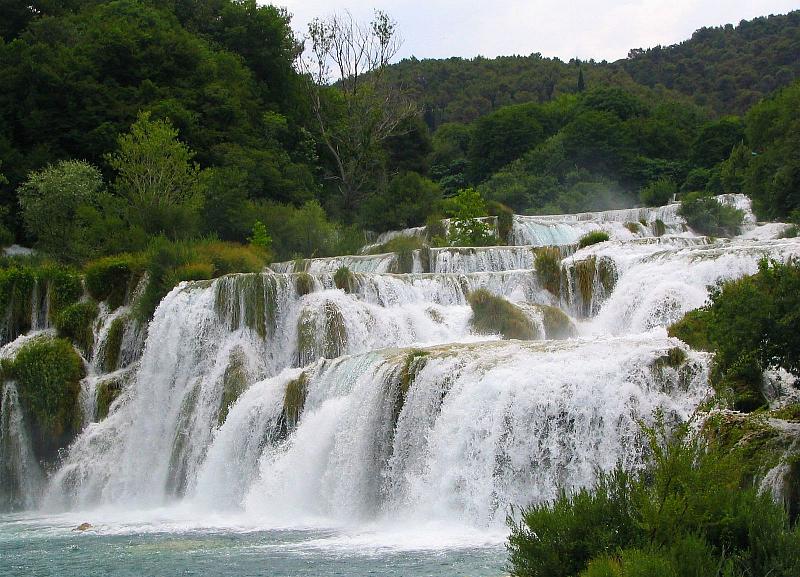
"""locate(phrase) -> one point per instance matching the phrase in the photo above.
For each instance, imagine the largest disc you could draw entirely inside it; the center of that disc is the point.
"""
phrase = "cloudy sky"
(599, 29)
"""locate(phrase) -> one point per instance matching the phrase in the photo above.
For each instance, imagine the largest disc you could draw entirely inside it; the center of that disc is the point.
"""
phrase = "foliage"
(48, 373)
(658, 192)
(686, 512)
(51, 200)
(466, 227)
(407, 202)
(260, 237)
(593, 237)
(750, 324)
(548, 268)
(505, 220)
(707, 215)
(495, 315)
(157, 174)
(344, 279)
(112, 278)
(75, 322)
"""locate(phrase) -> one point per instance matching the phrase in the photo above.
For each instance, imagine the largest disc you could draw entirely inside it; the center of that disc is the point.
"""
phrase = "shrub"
(113, 345)
(344, 279)
(75, 322)
(435, 231)
(466, 228)
(593, 237)
(48, 374)
(495, 315)
(692, 329)
(658, 192)
(548, 269)
(706, 215)
(106, 393)
(688, 513)
(294, 401)
(111, 278)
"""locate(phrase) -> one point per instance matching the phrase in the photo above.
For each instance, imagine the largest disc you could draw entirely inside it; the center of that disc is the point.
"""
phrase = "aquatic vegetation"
(495, 315)
(557, 324)
(548, 268)
(112, 278)
(107, 391)
(234, 382)
(593, 237)
(632, 227)
(659, 228)
(335, 333)
(76, 323)
(294, 401)
(304, 283)
(344, 279)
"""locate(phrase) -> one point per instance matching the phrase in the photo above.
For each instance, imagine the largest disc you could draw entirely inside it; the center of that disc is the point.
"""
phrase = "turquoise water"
(44, 546)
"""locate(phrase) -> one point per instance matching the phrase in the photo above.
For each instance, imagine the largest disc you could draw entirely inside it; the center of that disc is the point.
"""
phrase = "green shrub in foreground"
(685, 514)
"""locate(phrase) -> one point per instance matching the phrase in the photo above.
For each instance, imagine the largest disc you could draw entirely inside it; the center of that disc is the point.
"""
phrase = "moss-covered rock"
(344, 280)
(495, 315)
(76, 323)
(16, 290)
(505, 220)
(659, 228)
(48, 373)
(306, 338)
(335, 334)
(304, 284)
(548, 269)
(633, 227)
(106, 392)
(111, 279)
(414, 361)
(557, 324)
(234, 382)
(112, 347)
(294, 401)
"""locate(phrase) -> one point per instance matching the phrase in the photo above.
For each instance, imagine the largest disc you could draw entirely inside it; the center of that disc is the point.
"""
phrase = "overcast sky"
(599, 29)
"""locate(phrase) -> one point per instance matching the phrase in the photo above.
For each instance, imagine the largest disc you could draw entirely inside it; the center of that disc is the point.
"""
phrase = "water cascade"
(289, 401)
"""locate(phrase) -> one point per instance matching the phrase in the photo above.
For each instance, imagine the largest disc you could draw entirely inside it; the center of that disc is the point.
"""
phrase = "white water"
(484, 423)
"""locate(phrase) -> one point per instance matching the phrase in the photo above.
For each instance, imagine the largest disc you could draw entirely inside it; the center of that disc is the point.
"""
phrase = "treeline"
(725, 69)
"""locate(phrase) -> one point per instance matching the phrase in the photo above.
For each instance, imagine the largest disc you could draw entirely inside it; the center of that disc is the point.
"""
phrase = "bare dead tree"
(355, 107)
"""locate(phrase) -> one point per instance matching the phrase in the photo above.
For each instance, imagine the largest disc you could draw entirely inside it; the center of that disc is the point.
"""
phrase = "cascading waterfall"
(288, 401)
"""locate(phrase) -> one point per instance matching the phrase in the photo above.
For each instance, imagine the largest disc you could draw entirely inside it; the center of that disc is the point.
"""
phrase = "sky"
(585, 29)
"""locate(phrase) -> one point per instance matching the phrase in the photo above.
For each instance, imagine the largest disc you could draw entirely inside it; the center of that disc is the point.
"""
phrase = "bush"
(658, 192)
(75, 322)
(688, 513)
(495, 315)
(707, 216)
(548, 269)
(692, 329)
(593, 237)
(304, 283)
(112, 278)
(505, 219)
(48, 373)
(466, 228)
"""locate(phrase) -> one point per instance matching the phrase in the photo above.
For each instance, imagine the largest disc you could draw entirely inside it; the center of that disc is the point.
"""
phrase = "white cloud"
(582, 28)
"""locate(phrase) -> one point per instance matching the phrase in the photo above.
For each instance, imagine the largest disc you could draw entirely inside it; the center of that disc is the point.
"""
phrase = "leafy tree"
(715, 140)
(707, 215)
(466, 227)
(52, 200)
(157, 174)
(260, 237)
(408, 201)
(658, 193)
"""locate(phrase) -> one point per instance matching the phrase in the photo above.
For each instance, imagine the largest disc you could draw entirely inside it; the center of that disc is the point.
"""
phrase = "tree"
(360, 111)
(581, 82)
(157, 174)
(466, 226)
(51, 200)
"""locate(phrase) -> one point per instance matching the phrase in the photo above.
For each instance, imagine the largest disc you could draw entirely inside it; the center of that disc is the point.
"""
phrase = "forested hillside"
(726, 68)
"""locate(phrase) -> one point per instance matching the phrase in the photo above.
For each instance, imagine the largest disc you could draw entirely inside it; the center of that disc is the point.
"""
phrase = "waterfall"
(288, 401)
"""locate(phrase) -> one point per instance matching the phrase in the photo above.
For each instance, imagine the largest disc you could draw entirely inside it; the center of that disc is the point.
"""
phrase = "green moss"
(75, 322)
(585, 271)
(294, 401)
(412, 364)
(505, 220)
(16, 296)
(306, 338)
(344, 280)
(304, 283)
(247, 300)
(63, 287)
(632, 227)
(434, 229)
(113, 345)
(659, 228)
(425, 259)
(643, 222)
(557, 324)
(548, 269)
(607, 274)
(111, 278)
(179, 457)
(593, 237)
(234, 382)
(48, 374)
(673, 358)
(693, 330)
(335, 342)
(495, 315)
(106, 393)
